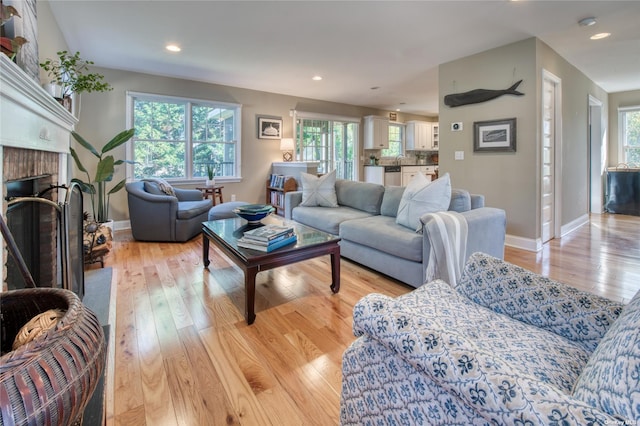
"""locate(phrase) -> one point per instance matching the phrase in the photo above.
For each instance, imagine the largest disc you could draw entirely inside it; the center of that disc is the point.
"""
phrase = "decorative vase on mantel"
(57, 91)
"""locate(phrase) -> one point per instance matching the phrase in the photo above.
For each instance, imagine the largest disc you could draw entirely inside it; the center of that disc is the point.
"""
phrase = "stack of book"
(268, 238)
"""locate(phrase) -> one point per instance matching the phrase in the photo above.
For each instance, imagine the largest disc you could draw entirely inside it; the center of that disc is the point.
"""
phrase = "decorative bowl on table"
(254, 213)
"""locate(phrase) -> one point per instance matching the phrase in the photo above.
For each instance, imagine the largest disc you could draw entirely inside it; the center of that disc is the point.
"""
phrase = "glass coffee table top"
(230, 230)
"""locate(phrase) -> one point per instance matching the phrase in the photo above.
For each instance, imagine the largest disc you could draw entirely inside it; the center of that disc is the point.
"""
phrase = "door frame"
(557, 154)
(597, 156)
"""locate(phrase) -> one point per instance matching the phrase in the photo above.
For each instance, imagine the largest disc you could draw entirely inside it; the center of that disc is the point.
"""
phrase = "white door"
(550, 108)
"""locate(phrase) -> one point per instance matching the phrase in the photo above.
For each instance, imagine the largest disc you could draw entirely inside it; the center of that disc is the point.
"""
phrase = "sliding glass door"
(332, 143)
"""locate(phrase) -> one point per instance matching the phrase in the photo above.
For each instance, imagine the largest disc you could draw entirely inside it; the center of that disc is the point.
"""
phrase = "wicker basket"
(49, 380)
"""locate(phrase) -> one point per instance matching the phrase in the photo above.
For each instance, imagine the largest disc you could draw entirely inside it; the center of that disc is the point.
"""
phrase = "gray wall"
(511, 180)
(508, 180)
(50, 38)
(576, 88)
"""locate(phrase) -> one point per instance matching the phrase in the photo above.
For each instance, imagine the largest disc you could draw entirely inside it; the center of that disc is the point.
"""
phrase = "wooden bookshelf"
(276, 188)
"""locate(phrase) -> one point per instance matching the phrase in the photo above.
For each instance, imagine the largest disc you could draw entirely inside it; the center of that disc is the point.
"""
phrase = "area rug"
(97, 297)
(97, 292)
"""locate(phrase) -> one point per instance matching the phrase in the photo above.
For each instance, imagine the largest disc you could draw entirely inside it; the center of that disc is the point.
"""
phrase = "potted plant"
(211, 180)
(70, 74)
(105, 169)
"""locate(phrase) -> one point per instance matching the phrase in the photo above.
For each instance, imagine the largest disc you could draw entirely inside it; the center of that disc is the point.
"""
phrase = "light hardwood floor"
(184, 355)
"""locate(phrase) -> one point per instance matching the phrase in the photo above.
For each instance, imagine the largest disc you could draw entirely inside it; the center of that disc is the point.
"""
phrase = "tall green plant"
(97, 187)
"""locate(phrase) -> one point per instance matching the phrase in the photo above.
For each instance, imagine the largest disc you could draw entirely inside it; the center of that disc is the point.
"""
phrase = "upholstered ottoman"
(225, 210)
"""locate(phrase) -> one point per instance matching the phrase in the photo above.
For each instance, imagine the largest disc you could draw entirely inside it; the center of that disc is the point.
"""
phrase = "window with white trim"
(332, 141)
(396, 141)
(629, 134)
(178, 139)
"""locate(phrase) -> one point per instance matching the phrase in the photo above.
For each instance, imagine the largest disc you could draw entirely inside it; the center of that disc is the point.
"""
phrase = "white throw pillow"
(422, 196)
(319, 191)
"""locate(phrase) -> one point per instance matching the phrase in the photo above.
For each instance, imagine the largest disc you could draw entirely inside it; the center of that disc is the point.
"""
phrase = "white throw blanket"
(163, 185)
(447, 233)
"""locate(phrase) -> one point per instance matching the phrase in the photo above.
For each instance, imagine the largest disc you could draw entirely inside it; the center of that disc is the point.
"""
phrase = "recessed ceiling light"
(599, 36)
(316, 78)
(173, 48)
(587, 22)
(398, 109)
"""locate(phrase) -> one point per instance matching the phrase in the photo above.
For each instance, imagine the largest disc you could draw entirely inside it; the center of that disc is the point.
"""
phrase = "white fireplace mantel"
(30, 117)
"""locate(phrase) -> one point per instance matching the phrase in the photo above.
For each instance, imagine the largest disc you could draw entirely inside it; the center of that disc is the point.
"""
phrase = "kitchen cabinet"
(408, 172)
(376, 132)
(374, 174)
(422, 136)
(435, 136)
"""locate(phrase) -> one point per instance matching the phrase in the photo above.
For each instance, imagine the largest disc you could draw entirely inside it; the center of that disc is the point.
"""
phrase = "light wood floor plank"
(128, 383)
(184, 354)
(157, 398)
(238, 372)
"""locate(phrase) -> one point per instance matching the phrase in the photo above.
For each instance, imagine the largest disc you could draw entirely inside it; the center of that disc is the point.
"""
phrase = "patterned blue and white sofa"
(506, 347)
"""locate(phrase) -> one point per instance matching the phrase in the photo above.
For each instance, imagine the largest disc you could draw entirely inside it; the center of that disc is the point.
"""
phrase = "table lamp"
(287, 146)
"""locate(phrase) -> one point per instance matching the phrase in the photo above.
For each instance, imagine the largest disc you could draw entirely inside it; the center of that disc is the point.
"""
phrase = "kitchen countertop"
(402, 165)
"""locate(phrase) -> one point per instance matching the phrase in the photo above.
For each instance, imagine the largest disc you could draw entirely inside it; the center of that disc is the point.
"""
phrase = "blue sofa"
(504, 347)
(365, 219)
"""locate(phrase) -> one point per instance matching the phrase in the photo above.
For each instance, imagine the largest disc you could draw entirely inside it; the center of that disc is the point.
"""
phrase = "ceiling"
(356, 46)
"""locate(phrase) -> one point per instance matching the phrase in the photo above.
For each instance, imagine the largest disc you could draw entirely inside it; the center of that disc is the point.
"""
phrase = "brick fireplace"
(34, 140)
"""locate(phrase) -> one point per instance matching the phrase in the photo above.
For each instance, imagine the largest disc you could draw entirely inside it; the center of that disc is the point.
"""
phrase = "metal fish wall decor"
(479, 95)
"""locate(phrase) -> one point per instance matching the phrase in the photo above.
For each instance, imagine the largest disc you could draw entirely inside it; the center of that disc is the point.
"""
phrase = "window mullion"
(188, 126)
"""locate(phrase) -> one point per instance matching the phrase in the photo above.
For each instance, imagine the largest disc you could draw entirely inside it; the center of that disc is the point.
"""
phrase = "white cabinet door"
(419, 136)
(376, 132)
(374, 174)
(435, 136)
(409, 172)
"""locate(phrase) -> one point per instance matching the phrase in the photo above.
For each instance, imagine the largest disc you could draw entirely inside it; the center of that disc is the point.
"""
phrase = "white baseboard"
(523, 243)
(535, 245)
(121, 224)
(573, 225)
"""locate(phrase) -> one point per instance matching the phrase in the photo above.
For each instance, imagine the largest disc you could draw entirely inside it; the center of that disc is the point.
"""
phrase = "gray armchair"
(156, 216)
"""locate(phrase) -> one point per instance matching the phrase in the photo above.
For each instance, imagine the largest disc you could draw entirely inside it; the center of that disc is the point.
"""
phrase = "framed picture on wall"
(494, 135)
(269, 127)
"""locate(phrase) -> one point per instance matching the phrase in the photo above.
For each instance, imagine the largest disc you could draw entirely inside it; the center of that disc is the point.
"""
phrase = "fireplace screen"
(48, 233)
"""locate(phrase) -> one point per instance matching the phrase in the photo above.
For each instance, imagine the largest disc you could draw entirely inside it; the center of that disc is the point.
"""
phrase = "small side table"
(213, 191)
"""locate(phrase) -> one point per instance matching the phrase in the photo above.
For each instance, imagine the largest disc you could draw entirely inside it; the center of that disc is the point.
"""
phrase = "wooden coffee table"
(224, 233)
